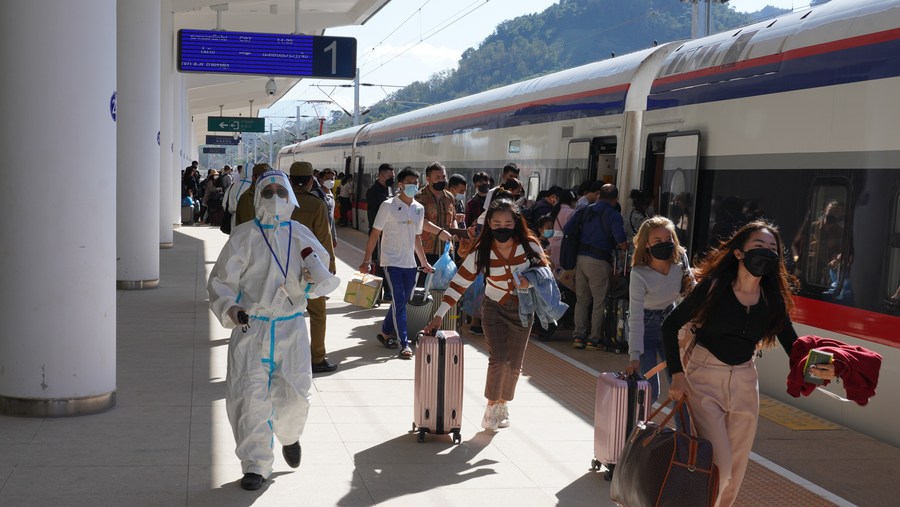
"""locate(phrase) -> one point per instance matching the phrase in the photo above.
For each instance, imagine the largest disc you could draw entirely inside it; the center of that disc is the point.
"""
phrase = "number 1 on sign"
(333, 48)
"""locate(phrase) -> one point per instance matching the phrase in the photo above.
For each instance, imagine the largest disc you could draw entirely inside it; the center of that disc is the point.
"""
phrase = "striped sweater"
(501, 283)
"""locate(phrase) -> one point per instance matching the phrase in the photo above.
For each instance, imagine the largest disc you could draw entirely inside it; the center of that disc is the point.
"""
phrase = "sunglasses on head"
(267, 193)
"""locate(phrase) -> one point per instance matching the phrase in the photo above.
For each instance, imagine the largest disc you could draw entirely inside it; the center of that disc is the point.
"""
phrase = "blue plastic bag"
(444, 270)
(472, 298)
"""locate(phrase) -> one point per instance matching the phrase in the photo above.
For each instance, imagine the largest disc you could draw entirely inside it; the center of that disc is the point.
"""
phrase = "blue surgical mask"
(548, 233)
(411, 190)
(460, 197)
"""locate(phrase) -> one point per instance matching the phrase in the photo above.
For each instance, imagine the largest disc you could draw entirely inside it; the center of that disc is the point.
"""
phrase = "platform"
(168, 441)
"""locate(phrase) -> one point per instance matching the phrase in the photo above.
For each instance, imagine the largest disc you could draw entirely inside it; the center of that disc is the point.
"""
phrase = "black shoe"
(476, 330)
(291, 454)
(324, 367)
(251, 482)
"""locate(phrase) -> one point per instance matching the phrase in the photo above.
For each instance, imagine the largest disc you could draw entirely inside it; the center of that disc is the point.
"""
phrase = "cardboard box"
(363, 290)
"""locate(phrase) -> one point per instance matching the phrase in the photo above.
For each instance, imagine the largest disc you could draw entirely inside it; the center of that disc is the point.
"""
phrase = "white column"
(58, 350)
(137, 158)
(166, 164)
(178, 151)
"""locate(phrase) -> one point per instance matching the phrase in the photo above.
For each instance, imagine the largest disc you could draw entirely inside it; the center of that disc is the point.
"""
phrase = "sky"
(410, 40)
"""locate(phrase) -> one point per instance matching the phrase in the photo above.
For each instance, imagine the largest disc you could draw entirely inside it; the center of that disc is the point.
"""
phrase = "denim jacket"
(542, 298)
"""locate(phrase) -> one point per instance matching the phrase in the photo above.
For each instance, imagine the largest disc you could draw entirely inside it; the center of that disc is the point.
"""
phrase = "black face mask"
(662, 251)
(502, 235)
(439, 186)
(760, 261)
(389, 182)
(483, 189)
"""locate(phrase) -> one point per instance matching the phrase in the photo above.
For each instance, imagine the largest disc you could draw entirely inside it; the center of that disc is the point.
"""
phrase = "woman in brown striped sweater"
(505, 249)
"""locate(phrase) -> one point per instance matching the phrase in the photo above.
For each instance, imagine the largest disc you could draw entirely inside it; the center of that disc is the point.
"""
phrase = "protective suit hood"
(277, 209)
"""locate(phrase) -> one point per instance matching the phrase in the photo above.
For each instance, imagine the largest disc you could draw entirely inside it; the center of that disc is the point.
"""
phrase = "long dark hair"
(522, 234)
(720, 266)
(565, 197)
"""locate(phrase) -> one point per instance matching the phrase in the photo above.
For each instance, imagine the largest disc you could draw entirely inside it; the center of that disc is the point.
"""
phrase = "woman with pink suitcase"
(504, 250)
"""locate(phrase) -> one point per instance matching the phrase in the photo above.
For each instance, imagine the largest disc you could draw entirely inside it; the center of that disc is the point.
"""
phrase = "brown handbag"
(661, 466)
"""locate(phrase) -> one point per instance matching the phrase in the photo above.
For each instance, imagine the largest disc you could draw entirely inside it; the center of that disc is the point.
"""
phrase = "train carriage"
(793, 119)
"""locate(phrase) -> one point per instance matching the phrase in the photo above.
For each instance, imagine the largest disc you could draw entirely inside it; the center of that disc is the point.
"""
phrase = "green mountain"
(565, 35)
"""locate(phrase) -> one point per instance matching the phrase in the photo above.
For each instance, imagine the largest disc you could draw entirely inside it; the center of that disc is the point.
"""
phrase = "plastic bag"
(472, 298)
(444, 270)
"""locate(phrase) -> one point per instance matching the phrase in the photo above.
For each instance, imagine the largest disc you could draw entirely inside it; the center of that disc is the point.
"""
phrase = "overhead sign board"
(220, 151)
(223, 140)
(266, 54)
(235, 124)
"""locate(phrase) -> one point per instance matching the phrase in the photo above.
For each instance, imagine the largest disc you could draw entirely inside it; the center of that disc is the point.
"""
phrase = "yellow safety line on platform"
(792, 417)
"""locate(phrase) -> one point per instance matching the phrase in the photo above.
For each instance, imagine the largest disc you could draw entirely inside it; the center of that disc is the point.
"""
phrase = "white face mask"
(277, 207)
(329, 184)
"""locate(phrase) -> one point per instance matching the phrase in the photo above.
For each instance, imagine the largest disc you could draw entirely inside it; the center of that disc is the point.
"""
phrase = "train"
(793, 119)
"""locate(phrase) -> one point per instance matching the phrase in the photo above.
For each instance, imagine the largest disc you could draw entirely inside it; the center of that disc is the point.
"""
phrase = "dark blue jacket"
(602, 225)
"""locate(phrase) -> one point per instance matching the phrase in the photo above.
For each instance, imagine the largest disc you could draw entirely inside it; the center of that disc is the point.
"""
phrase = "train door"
(588, 160)
(359, 219)
(653, 167)
(673, 163)
(578, 162)
(603, 159)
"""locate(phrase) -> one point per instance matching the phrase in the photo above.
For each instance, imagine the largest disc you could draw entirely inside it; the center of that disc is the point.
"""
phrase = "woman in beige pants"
(742, 303)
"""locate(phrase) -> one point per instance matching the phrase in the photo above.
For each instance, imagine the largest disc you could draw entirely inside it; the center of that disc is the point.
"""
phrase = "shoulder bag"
(661, 466)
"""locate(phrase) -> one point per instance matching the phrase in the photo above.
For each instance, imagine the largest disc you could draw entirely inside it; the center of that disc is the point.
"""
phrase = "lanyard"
(284, 270)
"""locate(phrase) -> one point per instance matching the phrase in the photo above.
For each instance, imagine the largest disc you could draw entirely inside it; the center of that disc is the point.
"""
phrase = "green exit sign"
(235, 124)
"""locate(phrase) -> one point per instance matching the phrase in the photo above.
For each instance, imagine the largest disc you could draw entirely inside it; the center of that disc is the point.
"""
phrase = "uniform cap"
(301, 169)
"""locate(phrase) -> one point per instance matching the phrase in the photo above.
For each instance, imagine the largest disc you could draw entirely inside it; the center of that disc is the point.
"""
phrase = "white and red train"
(795, 119)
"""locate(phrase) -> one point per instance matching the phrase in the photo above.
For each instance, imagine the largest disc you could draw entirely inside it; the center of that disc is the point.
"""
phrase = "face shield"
(274, 200)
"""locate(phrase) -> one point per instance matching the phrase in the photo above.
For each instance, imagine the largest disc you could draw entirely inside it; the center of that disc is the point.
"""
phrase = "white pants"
(725, 408)
(267, 388)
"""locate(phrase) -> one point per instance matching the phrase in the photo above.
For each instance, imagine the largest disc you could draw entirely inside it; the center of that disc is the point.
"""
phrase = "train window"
(820, 259)
(515, 146)
(892, 295)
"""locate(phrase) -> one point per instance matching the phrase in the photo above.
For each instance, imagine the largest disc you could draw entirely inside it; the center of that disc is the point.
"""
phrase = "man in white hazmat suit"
(259, 289)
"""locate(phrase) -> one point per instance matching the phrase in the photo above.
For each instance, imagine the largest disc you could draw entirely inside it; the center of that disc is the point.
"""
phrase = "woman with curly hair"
(741, 304)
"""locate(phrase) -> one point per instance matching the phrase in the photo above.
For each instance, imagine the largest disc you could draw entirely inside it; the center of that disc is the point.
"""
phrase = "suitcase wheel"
(595, 465)
(457, 438)
(421, 437)
(414, 426)
(609, 472)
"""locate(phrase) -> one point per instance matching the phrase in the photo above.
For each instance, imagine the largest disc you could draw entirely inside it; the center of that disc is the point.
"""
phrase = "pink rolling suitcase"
(439, 385)
(621, 402)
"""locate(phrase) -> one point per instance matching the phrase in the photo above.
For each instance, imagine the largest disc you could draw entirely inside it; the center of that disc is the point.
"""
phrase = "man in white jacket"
(259, 288)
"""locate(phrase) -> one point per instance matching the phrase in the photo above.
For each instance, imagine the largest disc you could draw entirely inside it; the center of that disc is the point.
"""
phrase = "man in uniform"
(312, 212)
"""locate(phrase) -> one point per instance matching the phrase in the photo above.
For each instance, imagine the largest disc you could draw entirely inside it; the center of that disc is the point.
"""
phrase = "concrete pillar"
(58, 341)
(137, 157)
(177, 135)
(166, 165)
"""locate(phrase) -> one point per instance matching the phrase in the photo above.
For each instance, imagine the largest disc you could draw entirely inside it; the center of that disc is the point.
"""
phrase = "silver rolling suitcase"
(621, 402)
(438, 397)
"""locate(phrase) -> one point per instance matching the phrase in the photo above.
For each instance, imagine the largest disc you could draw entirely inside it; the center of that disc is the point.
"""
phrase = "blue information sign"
(266, 54)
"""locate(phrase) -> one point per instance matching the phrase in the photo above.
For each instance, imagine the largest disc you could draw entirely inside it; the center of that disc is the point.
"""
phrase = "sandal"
(388, 340)
(406, 353)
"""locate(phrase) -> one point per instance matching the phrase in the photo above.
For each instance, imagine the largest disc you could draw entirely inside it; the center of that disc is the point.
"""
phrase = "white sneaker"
(502, 415)
(490, 421)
